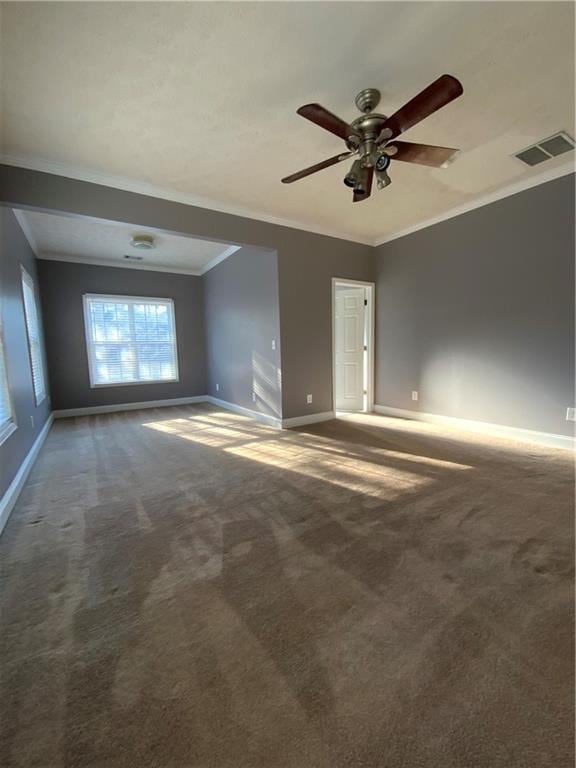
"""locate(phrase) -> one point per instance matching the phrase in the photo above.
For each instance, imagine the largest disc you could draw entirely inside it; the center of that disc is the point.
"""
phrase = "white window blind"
(34, 339)
(130, 340)
(6, 413)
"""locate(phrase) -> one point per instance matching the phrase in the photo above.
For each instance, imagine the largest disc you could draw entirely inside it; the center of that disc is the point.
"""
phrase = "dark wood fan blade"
(325, 119)
(317, 167)
(423, 154)
(359, 196)
(437, 95)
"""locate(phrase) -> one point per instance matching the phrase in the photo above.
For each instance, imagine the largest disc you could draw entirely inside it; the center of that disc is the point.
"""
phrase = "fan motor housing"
(368, 127)
(370, 124)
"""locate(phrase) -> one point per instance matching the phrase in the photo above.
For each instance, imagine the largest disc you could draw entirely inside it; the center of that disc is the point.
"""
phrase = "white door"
(349, 347)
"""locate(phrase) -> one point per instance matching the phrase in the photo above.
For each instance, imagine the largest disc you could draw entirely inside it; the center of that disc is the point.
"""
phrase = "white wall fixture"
(142, 242)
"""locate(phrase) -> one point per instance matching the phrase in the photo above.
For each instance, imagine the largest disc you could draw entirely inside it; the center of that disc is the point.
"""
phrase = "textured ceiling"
(201, 98)
(104, 242)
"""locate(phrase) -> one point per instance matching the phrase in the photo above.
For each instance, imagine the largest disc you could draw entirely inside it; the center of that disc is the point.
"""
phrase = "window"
(7, 424)
(130, 340)
(34, 339)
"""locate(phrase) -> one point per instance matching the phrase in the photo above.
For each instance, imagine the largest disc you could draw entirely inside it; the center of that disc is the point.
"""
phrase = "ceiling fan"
(372, 137)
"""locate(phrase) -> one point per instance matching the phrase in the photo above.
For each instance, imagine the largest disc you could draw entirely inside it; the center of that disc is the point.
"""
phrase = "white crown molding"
(151, 190)
(219, 259)
(49, 256)
(25, 227)
(479, 202)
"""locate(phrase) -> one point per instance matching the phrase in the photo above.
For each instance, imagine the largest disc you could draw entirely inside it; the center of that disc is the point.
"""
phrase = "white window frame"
(39, 397)
(114, 298)
(11, 425)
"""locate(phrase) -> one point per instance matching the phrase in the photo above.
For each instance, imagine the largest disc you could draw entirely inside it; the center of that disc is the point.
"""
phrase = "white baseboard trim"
(94, 409)
(481, 427)
(272, 421)
(10, 498)
(264, 418)
(312, 418)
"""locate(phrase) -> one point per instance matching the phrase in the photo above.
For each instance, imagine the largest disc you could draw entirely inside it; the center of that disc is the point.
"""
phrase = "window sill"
(133, 383)
(6, 431)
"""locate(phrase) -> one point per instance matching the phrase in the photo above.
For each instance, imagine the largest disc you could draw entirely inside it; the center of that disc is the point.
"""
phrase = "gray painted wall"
(305, 279)
(477, 313)
(14, 253)
(62, 286)
(306, 263)
(242, 319)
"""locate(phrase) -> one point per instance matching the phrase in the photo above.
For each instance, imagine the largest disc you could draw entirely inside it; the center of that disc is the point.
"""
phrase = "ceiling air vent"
(130, 257)
(546, 149)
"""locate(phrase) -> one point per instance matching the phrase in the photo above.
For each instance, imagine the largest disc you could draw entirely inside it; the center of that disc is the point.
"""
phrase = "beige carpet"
(185, 588)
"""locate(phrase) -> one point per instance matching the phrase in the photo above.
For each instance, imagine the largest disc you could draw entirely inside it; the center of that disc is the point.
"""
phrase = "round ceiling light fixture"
(142, 242)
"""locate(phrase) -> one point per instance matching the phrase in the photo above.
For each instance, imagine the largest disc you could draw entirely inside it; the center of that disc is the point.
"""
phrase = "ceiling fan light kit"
(351, 178)
(372, 136)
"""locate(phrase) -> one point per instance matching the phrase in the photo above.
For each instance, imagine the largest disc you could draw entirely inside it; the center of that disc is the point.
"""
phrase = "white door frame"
(370, 290)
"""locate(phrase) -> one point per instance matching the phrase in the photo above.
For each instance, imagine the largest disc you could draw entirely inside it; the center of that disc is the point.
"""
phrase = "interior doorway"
(352, 345)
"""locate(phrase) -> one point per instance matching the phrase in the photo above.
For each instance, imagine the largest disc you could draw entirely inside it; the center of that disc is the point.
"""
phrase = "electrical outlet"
(309, 399)
(273, 345)
(414, 395)
(253, 397)
(217, 387)
(570, 414)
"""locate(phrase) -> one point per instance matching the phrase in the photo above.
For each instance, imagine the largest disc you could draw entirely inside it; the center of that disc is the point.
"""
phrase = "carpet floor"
(186, 588)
